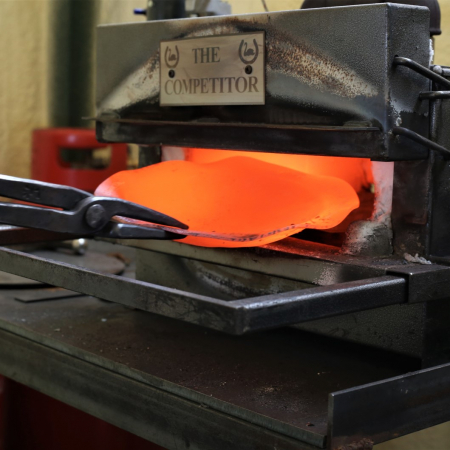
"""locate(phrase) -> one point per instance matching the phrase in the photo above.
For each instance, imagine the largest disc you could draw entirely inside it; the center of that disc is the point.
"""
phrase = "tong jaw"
(97, 212)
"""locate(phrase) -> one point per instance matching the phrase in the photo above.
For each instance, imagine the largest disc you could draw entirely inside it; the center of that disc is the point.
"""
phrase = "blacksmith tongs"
(80, 213)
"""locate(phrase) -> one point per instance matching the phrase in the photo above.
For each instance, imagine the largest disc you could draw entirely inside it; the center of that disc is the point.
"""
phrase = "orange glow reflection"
(239, 201)
(356, 171)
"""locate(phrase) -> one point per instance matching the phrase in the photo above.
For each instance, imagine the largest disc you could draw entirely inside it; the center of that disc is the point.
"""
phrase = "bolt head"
(79, 246)
(96, 216)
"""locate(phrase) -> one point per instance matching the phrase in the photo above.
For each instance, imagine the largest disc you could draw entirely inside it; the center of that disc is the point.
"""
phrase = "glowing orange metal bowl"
(235, 202)
(355, 171)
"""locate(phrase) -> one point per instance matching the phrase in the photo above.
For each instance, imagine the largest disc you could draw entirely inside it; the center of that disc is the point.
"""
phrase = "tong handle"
(48, 194)
(41, 218)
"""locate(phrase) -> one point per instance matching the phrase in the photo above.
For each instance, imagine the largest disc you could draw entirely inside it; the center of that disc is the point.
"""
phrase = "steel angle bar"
(235, 317)
(389, 408)
(337, 140)
(320, 302)
(424, 282)
(168, 302)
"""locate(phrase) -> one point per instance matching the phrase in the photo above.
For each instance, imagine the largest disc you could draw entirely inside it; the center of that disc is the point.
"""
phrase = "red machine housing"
(48, 164)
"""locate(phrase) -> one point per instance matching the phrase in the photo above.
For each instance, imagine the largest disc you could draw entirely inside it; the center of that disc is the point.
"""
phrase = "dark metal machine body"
(364, 88)
(432, 5)
(321, 98)
(345, 92)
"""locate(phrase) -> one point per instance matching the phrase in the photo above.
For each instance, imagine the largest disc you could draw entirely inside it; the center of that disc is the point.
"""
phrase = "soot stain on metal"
(285, 56)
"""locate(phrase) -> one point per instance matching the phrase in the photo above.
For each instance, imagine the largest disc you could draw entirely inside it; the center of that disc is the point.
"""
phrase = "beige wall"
(443, 41)
(436, 438)
(119, 11)
(24, 63)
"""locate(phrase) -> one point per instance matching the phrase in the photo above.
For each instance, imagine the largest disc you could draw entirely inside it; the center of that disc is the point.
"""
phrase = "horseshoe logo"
(245, 52)
(172, 59)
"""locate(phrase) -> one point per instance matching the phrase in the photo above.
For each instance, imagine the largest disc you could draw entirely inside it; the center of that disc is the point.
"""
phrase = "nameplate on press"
(213, 70)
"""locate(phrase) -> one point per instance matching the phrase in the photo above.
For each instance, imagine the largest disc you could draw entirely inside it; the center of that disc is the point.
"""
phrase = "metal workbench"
(185, 387)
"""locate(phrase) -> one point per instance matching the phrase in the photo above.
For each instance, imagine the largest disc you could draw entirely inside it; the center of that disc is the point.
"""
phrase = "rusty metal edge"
(390, 408)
